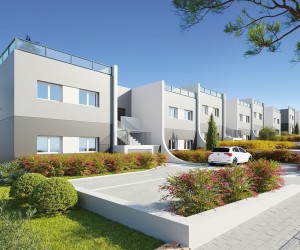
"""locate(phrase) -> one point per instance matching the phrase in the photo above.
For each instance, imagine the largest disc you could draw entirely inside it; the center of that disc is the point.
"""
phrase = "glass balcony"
(44, 51)
(179, 91)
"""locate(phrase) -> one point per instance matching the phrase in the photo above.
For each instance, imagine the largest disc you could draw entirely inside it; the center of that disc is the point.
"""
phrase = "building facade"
(272, 119)
(288, 117)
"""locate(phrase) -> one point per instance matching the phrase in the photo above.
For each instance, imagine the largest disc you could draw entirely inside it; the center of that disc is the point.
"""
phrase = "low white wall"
(135, 148)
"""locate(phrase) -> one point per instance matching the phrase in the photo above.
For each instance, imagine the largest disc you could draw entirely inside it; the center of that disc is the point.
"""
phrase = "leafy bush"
(196, 156)
(235, 183)
(259, 145)
(199, 190)
(22, 187)
(266, 175)
(53, 195)
(294, 138)
(268, 134)
(10, 171)
(193, 192)
(89, 164)
(285, 156)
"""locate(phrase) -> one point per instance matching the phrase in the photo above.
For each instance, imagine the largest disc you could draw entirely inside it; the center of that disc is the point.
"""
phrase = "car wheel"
(250, 159)
(211, 164)
(234, 161)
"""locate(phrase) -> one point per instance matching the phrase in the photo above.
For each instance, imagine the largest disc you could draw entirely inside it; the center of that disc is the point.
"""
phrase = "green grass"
(81, 229)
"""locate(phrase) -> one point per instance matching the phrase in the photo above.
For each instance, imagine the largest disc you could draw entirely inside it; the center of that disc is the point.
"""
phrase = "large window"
(88, 98)
(172, 144)
(188, 115)
(205, 109)
(88, 144)
(49, 144)
(173, 112)
(49, 91)
(188, 144)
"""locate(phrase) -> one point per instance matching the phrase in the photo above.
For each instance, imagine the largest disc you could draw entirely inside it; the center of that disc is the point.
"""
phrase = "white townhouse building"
(272, 119)
(288, 119)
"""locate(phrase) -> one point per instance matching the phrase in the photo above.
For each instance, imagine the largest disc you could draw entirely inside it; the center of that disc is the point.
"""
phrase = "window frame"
(217, 112)
(49, 91)
(49, 144)
(205, 109)
(188, 144)
(247, 119)
(88, 146)
(188, 115)
(175, 112)
(87, 94)
(172, 142)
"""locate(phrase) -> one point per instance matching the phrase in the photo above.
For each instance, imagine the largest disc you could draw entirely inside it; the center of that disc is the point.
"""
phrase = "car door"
(243, 155)
(237, 154)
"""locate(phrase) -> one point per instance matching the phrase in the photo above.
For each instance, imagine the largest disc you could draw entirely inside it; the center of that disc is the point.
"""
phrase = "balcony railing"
(244, 104)
(258, 103)
(44, 51)
(210, 92)
(179, 91)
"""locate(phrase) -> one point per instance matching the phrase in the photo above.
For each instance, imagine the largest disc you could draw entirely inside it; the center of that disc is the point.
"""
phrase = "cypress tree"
(212, 134)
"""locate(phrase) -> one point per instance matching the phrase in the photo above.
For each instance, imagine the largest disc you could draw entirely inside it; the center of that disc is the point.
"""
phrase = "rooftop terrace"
(44, 51)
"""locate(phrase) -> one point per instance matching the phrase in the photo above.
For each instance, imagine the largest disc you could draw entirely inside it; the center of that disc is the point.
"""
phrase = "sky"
(144, 38)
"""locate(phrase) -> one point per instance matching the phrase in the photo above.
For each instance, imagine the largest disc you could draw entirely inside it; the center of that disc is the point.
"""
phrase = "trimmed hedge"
(259, 144)
(294, 138)
(23, 186)
(196, 156)
(53, 195)
(199, 190)
(89, 164)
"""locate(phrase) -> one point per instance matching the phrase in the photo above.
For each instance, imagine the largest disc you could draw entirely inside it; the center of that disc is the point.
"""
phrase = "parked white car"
(229, 155)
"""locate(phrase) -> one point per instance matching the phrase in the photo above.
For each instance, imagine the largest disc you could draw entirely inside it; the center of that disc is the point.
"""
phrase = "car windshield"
(221, 150)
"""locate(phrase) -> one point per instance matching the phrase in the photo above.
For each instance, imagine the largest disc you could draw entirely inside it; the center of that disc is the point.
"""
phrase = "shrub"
(10, 171)
(53, 195)
(297, 128)
(88, 164)
(266, 175)
(235, 183)
(268, 134)
(193, 192)
(259, 145)
(285, 156)
(196, 156)
(23, 187)
(199, 190)
(294, 138)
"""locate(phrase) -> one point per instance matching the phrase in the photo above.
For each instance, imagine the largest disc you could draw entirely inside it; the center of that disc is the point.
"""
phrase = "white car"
(229, 155)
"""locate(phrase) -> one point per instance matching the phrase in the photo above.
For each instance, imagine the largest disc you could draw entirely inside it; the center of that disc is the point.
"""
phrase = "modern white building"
(272, 118)
(288, 119)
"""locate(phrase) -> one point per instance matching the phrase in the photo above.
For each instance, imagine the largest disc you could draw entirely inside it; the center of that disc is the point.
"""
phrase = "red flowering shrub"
(88, 164)
(200, 190)
(266, 175)
(193, 192)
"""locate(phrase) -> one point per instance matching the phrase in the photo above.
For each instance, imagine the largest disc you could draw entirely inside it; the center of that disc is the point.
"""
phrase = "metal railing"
(179, 91)
(210, 92)
(44, 51)
(258, 103)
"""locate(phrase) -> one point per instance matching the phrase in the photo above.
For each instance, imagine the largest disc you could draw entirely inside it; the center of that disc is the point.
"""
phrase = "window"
(48, 144)
(49, 91)
(248, 119)
(88, 144)
(242, 150)
(88, 98)
(277, 121)
(292, 118)
(173, 112)
(205, 109)
(255, 115)
(274, 120)
(235, 150)
(171, 144)
(188, 115)
(188, 144)
(260, 116)
(241, 118)
(217, 112)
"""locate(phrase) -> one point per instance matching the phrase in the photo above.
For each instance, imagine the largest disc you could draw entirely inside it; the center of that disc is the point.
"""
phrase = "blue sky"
(144, 39)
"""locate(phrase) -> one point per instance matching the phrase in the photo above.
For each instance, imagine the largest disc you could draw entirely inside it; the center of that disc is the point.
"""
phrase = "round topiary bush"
(53, 195)
(24, 185)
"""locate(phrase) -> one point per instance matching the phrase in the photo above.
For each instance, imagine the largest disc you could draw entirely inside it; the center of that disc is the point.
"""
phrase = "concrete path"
(276, 228)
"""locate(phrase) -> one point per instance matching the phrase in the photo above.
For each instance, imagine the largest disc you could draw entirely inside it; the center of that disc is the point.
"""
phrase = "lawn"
(81, 229)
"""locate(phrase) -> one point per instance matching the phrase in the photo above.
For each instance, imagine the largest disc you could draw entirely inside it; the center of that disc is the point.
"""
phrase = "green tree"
(268, 134)
(264, 23)
(297, 128)
(212, 134)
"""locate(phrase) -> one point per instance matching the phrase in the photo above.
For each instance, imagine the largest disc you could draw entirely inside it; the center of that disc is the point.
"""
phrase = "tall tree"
(264, 23)
(212, 134)
(297, 129)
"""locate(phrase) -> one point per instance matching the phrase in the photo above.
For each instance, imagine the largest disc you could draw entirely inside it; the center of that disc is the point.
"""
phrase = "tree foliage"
(264, 23)
(268, 134)
(212, 134)
(297, 128)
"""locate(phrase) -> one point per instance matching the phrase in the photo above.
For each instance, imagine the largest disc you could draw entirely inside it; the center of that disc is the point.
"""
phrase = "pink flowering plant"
(199, 190)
